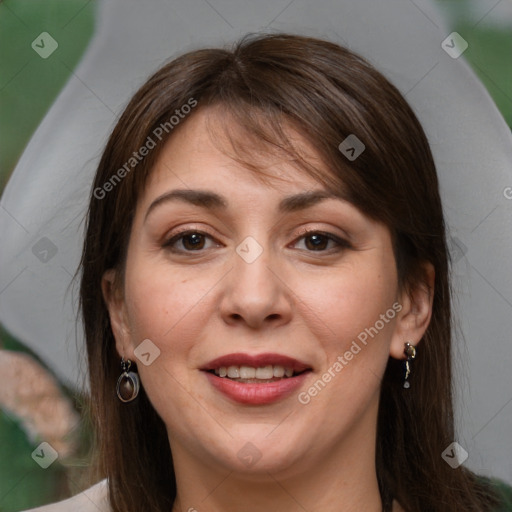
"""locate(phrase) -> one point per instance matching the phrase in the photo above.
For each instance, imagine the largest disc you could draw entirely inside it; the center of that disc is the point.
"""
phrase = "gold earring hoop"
(128, 384)
(410, 353)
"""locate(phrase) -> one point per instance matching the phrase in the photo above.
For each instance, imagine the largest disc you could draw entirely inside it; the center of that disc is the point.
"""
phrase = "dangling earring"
(410, 352)
(128, 383)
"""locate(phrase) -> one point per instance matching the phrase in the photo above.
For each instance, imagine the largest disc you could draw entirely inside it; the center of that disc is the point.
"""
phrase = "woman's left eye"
(319, 241)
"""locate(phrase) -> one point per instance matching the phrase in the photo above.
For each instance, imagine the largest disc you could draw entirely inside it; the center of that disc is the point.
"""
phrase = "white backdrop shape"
(43, 205)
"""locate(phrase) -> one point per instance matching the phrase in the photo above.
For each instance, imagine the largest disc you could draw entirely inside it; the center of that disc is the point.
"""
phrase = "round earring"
(410, 353)
(128, 383)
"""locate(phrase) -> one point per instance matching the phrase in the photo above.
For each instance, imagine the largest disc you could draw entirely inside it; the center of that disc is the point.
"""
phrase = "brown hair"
(267, 83)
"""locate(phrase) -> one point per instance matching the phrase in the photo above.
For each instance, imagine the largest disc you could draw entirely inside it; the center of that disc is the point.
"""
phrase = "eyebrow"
(211, 200)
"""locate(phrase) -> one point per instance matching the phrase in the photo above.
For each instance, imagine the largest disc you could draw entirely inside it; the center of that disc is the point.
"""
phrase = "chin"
(254, 453)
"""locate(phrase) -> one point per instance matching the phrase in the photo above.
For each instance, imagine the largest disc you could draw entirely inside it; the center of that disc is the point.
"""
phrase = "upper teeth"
(249, 372)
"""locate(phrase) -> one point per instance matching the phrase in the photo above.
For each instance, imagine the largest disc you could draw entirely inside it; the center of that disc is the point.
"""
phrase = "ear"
(414, 317)
(117, 311)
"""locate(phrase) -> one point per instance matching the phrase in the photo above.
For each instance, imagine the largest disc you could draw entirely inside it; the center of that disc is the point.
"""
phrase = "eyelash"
(341, 243)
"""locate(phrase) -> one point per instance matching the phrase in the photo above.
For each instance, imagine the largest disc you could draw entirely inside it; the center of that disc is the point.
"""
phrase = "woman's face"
(219, 265)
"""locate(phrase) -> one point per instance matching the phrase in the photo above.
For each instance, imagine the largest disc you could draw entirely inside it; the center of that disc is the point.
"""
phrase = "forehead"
(211, 147)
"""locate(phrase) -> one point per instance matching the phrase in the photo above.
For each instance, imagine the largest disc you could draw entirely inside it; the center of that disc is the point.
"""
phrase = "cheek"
(170, 308)
(357, 308)
(160, 299)
(349, 300)
(354, 320)
(166, 307)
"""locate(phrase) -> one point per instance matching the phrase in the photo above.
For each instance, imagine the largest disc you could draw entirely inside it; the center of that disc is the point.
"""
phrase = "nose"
(256, 294)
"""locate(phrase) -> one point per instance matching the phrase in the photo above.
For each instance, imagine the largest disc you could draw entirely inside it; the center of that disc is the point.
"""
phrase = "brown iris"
(193, 241)
(319, 242)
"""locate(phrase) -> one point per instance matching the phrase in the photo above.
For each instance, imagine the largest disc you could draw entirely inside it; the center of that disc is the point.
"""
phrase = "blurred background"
(28, 87)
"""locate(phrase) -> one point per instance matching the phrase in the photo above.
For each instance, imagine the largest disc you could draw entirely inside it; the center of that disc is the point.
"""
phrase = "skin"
(305, 303)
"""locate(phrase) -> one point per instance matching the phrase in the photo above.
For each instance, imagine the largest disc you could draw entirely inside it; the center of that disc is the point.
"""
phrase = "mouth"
(253, 375)
(256, 379)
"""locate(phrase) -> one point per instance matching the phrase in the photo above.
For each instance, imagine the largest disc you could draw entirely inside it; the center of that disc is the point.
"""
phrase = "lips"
(256, 361)
(256, 391)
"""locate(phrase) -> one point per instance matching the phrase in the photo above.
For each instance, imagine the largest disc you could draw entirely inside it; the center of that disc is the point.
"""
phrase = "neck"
(339, 479)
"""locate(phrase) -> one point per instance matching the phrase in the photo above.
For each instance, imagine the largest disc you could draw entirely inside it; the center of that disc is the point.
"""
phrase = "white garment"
(94, 499)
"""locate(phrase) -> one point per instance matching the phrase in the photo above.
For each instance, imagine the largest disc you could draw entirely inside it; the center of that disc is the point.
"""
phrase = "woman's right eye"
(190, 241)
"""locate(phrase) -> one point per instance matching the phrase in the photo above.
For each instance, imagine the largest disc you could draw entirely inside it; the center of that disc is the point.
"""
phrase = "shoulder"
(94, 499)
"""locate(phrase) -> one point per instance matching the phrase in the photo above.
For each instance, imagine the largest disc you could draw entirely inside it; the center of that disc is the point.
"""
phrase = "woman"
(265, 256)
